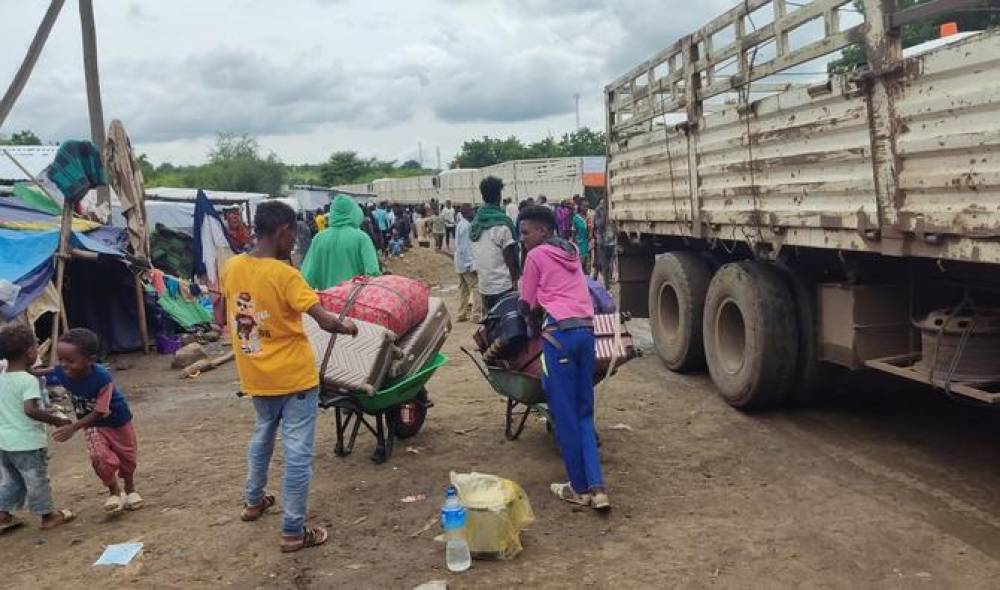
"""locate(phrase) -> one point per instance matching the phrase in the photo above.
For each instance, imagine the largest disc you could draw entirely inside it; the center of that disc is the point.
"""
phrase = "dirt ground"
(889, 486)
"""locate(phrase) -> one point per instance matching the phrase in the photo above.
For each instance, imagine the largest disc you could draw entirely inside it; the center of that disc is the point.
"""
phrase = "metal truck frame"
(850, 222)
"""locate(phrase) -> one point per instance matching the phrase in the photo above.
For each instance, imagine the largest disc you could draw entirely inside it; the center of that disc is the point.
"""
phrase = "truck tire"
(677, 290)
(751, 335)
(815, 380)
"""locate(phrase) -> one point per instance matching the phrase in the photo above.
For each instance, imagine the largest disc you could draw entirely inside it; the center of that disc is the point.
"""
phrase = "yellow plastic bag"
(498, 510)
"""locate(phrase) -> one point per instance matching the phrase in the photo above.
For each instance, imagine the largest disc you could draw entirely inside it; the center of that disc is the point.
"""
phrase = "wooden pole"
(93, 87)
(140, 306)
(61, 255)
(34, 50)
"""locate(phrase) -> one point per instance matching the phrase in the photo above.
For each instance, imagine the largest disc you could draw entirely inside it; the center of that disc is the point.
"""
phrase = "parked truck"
(778, 233)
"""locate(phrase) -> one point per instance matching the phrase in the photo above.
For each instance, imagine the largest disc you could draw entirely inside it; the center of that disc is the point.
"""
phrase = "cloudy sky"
(309, 77)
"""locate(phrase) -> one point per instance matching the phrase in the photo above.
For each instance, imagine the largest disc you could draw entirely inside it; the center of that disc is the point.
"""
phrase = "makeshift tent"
(92, 292)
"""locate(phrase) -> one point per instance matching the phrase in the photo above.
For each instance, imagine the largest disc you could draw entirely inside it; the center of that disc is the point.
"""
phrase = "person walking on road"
(265, 299)
(554, 286)
(449, 215)
(469, 299)
(493, 245)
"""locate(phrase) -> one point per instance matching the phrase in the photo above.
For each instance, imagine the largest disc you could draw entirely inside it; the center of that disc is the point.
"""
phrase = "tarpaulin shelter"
(98, 290)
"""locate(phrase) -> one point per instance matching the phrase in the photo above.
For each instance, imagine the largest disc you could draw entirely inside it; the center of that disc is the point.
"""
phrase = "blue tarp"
(26, 259)
(21, 252)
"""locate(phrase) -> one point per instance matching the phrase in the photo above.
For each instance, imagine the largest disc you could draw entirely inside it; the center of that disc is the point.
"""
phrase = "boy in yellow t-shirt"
(265, 300)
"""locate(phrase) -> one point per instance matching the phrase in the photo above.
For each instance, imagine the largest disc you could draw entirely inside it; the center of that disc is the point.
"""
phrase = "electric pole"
(439, 157)
(576, 97)
(420, 153)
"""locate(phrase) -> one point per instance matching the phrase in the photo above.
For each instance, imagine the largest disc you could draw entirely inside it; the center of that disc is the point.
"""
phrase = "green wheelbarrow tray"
(385, 406)
(395, 393)
(523, 392)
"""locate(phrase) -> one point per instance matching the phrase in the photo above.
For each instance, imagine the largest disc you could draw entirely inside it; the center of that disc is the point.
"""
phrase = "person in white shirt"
(512, 210)
(448, 214)
(469, 299)
(493, 245)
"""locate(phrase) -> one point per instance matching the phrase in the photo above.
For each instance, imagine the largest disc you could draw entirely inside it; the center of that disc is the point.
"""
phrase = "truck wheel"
(815, 380)
(751, 335)
(677, 290)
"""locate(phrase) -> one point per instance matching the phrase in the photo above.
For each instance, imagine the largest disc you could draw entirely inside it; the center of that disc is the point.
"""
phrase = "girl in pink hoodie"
(553, 281)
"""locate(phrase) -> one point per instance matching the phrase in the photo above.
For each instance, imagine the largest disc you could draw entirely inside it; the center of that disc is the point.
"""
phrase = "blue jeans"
(568, 381)
(24, 479)
(296, 415)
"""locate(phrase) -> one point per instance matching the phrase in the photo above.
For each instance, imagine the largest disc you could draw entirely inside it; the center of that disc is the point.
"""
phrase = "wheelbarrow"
(522, 391)
(396, 411)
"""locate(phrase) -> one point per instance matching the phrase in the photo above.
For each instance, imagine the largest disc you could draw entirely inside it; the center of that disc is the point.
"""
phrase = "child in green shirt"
(23, 441)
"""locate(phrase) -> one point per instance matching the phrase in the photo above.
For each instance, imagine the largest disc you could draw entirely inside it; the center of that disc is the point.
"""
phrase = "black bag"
(506, 330)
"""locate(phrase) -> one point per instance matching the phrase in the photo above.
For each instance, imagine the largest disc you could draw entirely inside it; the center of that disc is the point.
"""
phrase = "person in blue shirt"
(102, 413)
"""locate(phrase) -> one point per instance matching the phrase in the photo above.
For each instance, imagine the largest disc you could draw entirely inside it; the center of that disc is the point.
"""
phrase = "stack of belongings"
(504, 339)
(400, 328)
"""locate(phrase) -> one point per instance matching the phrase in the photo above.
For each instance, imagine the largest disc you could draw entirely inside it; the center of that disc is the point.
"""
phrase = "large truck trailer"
(778, 232)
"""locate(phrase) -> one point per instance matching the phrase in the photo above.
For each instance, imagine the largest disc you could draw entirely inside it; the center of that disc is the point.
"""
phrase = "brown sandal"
(64, 517)
(251, 513)
(311, 537)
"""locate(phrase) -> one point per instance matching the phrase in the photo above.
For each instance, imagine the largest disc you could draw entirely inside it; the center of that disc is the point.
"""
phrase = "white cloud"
(311, 76)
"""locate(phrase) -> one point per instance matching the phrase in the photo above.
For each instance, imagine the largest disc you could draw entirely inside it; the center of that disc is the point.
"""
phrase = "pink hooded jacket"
(553, 278)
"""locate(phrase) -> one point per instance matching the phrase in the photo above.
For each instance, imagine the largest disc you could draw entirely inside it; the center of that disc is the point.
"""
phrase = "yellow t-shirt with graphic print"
(265, 300)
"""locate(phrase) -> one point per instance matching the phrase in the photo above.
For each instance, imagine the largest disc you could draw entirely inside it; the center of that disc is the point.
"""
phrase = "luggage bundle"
(400, 329)
(504, 341)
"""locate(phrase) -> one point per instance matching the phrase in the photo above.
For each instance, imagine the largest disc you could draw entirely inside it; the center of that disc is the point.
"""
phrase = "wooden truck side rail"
(900, 158)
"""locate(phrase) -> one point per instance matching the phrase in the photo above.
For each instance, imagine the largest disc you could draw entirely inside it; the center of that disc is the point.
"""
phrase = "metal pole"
(93, 87)
(34, 50)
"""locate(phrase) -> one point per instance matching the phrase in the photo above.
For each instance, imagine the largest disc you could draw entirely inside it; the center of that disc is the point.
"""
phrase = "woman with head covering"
(343, 250)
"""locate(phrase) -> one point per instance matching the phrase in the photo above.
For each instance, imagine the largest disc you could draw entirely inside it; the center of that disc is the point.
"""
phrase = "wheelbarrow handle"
(477, 361)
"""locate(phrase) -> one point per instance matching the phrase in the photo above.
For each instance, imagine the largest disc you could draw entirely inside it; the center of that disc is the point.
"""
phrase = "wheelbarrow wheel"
(408, 418)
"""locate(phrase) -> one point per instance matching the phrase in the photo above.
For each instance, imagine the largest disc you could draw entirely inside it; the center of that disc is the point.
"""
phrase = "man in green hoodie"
(342, 251)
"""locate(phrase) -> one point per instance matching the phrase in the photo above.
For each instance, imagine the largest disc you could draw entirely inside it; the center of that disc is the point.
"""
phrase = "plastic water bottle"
(453, 522)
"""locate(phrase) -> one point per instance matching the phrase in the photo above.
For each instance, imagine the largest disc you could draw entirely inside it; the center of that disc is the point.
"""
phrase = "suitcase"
(357, 364)
(528, 359)
(390, 301)
(424, 341)
(604, 344)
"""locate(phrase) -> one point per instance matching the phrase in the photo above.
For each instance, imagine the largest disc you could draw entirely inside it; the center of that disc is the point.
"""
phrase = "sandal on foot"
(133, 501)
(13, 524)
(115, 504)
(565, 492)
(601, 502)
(64, 517)
(251, 513)
(311, 537)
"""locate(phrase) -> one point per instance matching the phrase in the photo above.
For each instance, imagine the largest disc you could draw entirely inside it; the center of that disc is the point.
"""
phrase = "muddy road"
(889, 486)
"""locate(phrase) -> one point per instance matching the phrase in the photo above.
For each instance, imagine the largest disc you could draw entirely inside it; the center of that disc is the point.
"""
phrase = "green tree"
(411, 165)
(479, 153)
(855, 56)
(25, 137)
(236, 164)
(343, 168)
(148, 171)
(583, 142)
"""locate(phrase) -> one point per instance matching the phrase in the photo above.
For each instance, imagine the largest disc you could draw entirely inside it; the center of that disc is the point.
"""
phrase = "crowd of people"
(541, 251)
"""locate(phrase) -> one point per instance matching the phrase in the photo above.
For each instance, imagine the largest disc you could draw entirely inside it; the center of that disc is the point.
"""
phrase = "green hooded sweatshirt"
(342, 251)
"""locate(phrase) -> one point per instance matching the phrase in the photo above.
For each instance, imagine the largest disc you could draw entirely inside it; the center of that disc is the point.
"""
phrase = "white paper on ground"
(121, 554)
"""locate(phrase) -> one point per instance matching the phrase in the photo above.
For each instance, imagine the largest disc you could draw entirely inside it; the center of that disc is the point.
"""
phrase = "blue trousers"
(295, 414)
(568, 381)
(24, 479)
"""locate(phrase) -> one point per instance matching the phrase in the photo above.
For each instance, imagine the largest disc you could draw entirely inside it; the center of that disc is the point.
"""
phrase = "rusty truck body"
(775, 230)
